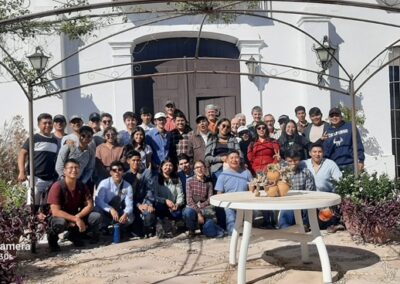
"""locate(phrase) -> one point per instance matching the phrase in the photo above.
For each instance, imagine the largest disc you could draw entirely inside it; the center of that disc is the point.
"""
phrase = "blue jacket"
(339, 145)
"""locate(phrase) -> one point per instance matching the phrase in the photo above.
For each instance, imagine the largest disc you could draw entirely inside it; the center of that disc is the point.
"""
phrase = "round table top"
(295, 199)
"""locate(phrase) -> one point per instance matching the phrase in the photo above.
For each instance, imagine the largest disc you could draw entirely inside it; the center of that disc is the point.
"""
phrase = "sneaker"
(334, 228)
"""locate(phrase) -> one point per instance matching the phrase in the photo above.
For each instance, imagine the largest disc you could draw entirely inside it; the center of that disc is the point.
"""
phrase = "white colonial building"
(273, 37)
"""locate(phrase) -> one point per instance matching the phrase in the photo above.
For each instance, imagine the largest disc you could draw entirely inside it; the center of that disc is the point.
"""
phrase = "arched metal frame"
(352, 91)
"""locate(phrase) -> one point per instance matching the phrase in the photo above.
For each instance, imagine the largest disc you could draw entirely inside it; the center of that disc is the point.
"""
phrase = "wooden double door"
(190, 92)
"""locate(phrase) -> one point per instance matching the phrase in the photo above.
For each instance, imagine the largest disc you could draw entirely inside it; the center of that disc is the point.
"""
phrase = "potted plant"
(370, 206)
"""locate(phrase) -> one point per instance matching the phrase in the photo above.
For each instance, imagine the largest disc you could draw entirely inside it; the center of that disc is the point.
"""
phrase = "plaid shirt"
(198, 193)
(181, 141)
(303, 180)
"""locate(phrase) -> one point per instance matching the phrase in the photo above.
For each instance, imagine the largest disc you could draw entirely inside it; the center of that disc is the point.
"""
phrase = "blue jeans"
(209, 228)
(230, 215)
(287, 219)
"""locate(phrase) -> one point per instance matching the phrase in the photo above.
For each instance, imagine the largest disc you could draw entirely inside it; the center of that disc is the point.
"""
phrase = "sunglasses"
(261, 128)
(334, 115)
(109, 135)
(225, 126)
(106, 121)
(170, 106)
(117, 170)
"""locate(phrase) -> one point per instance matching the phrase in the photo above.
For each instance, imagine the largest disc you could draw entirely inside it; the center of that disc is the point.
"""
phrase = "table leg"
(305, 255)
(235, 236)
(244, 246)
(323, 253)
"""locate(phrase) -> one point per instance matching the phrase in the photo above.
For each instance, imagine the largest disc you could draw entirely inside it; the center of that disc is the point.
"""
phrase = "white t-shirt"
(316, 132)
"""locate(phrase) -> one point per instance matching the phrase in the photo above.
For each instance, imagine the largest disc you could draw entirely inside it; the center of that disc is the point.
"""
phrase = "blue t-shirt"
(232, 181)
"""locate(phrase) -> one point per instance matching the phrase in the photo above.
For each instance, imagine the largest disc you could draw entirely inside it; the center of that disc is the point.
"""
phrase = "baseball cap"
(144, 110)
(200, 118)
(159, 115)
(242, 128)
(94, 116)
(74, 117)
(283, 119)
(335, 110)
(59, 117)
(170, 102)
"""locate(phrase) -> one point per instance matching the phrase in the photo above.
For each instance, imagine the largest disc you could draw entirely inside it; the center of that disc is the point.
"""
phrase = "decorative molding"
(308, 19)
(121, 49)
(250, 48)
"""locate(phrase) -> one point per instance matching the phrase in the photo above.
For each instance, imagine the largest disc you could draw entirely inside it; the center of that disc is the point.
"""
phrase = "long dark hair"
(256, 133)
(174, 176)
(138, 129)
(296, 136)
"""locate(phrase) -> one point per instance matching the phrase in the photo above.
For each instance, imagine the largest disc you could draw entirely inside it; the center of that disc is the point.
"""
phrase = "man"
(232, 179)
(316, 130)
(269, 120)
(325, 172)
(257, 114)
(44, 161)
(180, 134)
(170, 118)
(75, 123)
(211, 114)
(234, 126)
(185, 171)
(114, 200)
(242, 119)
(131, 121)
(106, 121)
(94, 122)
(302, 123)
(146, 116)
(339, 144)
(198, 139)
(160, 140)
(84, 154)
(71, 208)
(59, 124)
(144, 211)
(302, 179)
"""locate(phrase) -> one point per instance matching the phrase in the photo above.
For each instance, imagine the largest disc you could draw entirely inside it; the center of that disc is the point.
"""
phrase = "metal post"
(354, 126)
(31, 166)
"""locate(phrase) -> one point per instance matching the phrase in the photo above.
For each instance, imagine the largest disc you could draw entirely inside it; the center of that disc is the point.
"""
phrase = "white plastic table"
(246, 202)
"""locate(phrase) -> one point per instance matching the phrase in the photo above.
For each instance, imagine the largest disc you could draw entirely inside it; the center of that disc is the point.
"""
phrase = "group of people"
(158, 173)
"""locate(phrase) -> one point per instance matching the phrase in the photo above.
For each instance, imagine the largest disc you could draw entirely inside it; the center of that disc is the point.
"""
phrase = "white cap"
(242, 128)
(159, 115)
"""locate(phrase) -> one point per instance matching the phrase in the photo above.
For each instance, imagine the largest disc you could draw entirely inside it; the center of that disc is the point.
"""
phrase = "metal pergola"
(28, 85)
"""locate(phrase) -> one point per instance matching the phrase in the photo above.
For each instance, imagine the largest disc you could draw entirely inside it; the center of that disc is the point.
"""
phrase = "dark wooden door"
(191, 92)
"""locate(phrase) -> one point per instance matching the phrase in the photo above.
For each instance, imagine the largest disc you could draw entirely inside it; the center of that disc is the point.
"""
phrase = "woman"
(218, 147)
(106, 153)
(291, 139)
(198, 211)
(138, 143)
(263, 151)
(169, 199)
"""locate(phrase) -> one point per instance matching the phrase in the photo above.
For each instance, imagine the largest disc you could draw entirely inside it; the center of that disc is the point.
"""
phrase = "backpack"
(45, 206)
(165, 228)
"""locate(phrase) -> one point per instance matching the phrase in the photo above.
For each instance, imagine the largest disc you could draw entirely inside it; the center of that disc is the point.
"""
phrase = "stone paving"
(202, 260)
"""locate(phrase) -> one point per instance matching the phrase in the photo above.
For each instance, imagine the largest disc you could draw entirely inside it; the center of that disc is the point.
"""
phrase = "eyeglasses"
(117, 170)
(261, 128)
(106, 121)
(86, 136)
(225, 126)
(110, 135)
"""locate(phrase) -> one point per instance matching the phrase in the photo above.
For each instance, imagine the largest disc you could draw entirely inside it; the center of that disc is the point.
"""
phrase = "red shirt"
(260, 154)
(170, 124)
(76, 199)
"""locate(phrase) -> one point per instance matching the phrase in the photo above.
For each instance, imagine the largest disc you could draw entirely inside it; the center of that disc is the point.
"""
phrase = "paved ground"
(201, 260)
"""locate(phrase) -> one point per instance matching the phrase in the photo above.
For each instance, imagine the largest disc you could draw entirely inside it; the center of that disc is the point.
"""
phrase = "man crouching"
(71, 208)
